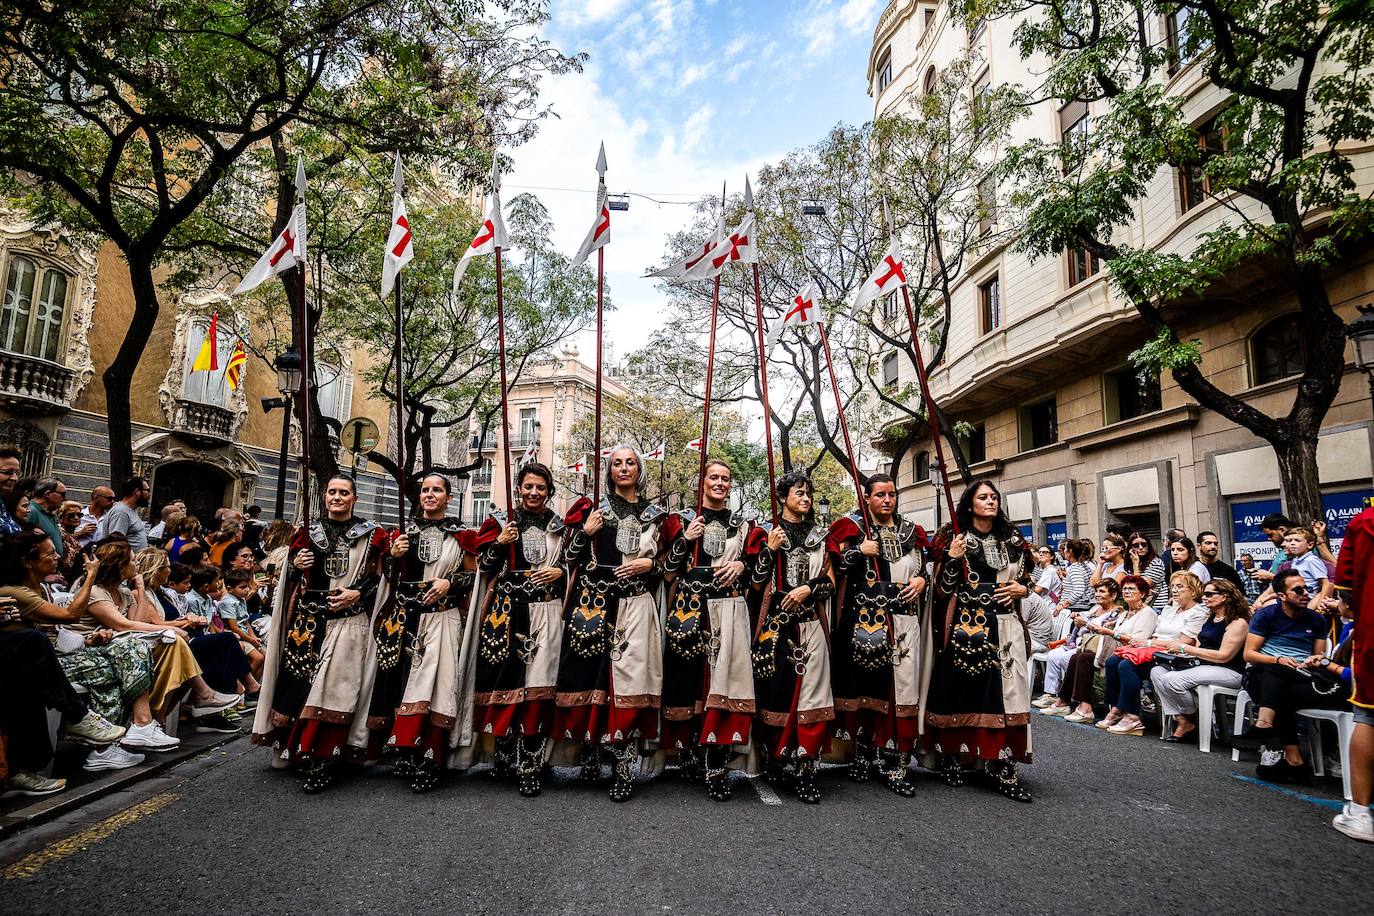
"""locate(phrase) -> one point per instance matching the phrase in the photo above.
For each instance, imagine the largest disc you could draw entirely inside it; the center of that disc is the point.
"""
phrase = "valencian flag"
(400, 246)
(600, 233)
(288, 249)
(233, 372)
(491, 235)
(804, 310)
(207, 360)
(887, 277)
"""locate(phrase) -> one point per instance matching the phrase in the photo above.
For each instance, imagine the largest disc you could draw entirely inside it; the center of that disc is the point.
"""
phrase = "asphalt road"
(1125, 825)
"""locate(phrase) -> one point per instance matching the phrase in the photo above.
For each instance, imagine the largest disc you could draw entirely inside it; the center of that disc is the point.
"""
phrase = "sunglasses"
(1139, 544)
(1211, 594)
(1299, 589)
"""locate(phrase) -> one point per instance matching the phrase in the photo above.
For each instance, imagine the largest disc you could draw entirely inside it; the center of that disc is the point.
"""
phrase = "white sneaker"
(1056, 710)
(93, 730)
(150, 737)
(1045, 699)
(22, 783)
(113, 757)
(214, 705)
(1355, 822)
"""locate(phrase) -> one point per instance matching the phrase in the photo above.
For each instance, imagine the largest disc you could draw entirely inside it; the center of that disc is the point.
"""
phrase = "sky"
(686, 94)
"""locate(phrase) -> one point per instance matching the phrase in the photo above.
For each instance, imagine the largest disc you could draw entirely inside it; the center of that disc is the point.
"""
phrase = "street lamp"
(288, 366)
(289, 371)
(1361, 333)
(823, 504)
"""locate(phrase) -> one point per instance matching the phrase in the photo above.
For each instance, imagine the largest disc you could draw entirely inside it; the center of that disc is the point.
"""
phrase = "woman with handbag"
(1089, 625)
(1215, 660)
(1136, 621)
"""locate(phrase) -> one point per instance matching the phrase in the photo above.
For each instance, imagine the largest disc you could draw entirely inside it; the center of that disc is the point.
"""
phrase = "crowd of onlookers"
(1126, 630)
(117, 625)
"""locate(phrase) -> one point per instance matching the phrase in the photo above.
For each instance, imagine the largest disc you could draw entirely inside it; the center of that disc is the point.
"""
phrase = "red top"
(1355, 581)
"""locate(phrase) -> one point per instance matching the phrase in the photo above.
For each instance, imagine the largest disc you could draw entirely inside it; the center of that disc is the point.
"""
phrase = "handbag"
(1173, 662)
(1137, 655)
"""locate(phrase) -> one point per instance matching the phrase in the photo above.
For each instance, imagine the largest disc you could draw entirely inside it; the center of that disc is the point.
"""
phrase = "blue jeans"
(1123, 684)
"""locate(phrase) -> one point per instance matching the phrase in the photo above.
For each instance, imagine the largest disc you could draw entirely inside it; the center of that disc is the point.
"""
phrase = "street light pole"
(289, 368)
(280, 509)
(1361, 333)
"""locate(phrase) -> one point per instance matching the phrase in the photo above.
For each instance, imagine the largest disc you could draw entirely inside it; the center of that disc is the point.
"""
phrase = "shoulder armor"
(360, 527)
(412, 527)
(652, 514)
(687, 515)
(907, 532)
(555, 524)
(501, 517)
(856, 517)
(737, 518)
(452, 525)
(815, 539)
(317, 536)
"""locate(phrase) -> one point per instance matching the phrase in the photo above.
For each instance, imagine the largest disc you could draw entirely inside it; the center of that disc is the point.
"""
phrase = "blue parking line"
(1291, 793)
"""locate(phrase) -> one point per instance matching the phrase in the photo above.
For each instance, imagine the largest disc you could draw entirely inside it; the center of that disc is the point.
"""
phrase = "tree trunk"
(1299, 479)
(118, 376)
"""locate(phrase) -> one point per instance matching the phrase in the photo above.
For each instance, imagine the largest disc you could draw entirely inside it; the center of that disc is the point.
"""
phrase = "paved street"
(225, 834)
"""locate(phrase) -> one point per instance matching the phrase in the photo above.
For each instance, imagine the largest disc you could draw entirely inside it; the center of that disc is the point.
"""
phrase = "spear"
(706, 405)
(763, 385)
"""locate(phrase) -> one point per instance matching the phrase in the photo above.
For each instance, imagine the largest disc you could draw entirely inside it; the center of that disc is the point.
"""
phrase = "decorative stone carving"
(158, 449)
(191, 307)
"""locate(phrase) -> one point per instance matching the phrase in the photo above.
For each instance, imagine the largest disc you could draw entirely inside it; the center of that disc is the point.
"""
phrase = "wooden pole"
(401, 466)
(505, 410)
(767, 418)
(307, 368)
(930, 408)
(600, 279)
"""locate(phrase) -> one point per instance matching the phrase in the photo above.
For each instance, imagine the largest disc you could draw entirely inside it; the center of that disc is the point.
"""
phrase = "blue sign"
(1339, 509)
(1055, 534)
(1246, 534)
(1026, 532)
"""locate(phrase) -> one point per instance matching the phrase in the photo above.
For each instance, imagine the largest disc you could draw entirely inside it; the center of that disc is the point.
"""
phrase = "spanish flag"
(234, 371)
(207, 360)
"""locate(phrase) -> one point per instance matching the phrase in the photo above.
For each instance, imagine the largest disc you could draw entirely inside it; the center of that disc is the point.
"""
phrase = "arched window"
(1279, 349)
(922, 467)
(35, 304)
(207, 386)
(928, 84)
(885, 70)
(32, 443)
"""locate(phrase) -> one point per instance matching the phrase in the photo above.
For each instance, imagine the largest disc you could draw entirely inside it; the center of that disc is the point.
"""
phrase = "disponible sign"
(1246, 533)
(1055, 533)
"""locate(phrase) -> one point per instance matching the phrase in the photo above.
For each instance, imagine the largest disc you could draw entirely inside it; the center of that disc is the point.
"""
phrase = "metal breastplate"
(993, 552)
(430, 544)
(628, 532)
(714, 538)
(889, 544)
(336, 561)
(534, 545)
(798, 567)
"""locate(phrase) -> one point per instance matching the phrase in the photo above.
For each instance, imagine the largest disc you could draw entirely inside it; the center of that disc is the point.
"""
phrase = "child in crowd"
(236, 588)
(1300, 544)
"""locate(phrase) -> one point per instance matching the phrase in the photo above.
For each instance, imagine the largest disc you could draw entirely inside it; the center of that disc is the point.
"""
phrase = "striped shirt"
(1076, 590)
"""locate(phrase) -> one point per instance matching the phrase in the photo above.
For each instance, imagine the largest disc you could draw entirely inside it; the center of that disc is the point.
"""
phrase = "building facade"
(1037, 353)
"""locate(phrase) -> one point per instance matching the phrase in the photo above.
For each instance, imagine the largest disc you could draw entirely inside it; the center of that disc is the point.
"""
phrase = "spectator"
(1086, 622)
(123, 517)
(1285, 642)
(1209, 551)
(9, 476)
(1111, 562)
(1275, 527)
(1141, 560)
(239, 555)
(228, 533)
(1355, 580)
(1184, 557)
(253, 529)
(185, 533)
(48, 496)
(1135, 621)
(69, 520)
(1040, 607)
(1298, 543)
(102, 498)
(1219, 652)
(1250, 581)
(158, 533)
(1075, 593)
(18, 502)
(1130, 665)
(238, 587)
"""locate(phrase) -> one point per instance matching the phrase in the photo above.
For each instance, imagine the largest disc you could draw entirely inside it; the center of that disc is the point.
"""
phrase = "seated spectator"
(1251, 583)
(240, 588)
(1129, 665)
(1183, 558)
(1209, 554)
(253, 529)
(1039, 609)
(124, 609)
(48, 495)
(102, 498)
(175, 509)
(73, 557)
(1136, 621)
(224, 665)
(17, 504)
(1111, 562)
(229, 533)
(1076, 592)
(117, 673)
(185, 534)
(1286, 641)
(228, 613)
(9, 482)
(1141, 560)
(240, 556)
(1085, 622)
(1220, 648)
(277, 542)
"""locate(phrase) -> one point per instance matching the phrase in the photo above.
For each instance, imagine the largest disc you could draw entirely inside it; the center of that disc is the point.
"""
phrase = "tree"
(1297, 88)
(120, 121)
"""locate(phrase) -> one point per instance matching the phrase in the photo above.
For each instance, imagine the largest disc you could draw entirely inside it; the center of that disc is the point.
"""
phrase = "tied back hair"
(640, 481)
(1001, 524)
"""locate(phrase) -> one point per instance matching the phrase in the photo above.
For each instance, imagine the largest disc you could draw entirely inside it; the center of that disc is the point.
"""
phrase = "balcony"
(32, 385)
(480, 480)
(524, 441)
(202, 423)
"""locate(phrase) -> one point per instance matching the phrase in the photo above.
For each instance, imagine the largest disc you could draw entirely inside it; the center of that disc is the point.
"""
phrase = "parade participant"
(610, 670)
(881, 636)
(520, 629)
(979, 700)
(708, 681)
(321, 655)
(791, 648)
(419, 631)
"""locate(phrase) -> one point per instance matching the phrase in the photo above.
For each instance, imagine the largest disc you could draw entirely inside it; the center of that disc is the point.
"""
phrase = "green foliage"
(1164, 352)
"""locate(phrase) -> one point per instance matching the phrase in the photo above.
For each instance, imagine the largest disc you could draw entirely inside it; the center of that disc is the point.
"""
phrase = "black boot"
(319, 775)
(689, 765)
(951, 771)
(1007, 780)
(591, 763)
(425, 775)
(503, 758)
(404, 767)
(530, 766)
(897, 774)
(805, 785)
(623, 783)
(864, 761)
(717, 776)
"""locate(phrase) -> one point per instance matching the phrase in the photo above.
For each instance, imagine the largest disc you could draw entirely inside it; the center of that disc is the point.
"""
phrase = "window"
(1193, 183)
(976, 445)
(890, 371)
(32, 443)
(481, 508)
(1039, 425)
(528, 427)
(928, 20)
(207, 387)
(981, 86)
(987, 205)
(979, 27)
(990, 302)
(1073, 133)
(334, 390)
(1279, 349)
(1082, 265)
(481, 478)
(885, 70)
(928, 84)
(1183, 48)
(890, 307)
(921, 467)
(1128, 393)
(35, 304)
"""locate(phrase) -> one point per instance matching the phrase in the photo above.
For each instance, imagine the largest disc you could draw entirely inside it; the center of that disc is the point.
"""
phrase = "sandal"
(425, 776)
(805, 785)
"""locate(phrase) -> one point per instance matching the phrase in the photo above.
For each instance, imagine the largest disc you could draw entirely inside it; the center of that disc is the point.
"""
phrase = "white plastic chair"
(1207, 695)
(1040, 660)
(1345, 730)
(1242, 707)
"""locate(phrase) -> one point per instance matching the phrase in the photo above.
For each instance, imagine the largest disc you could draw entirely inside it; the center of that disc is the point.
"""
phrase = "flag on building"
(400, 246)
(657, 454)
(207, 360)
(233, 372)
(491, 235)
(804, 310)
(600, 233)
(887, 277)
(288, 249)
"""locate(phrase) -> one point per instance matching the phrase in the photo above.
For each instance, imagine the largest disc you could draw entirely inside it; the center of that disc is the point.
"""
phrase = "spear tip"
(601, 160)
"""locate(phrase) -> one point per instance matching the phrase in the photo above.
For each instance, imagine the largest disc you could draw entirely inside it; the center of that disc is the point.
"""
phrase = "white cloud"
(825, 22)
(589, 12)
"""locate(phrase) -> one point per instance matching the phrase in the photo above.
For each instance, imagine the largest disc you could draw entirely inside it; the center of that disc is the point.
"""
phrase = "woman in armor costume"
(520, 629)
(419, 633)
(881, 642)
(610, 672)
(708, 681)
(978, 712)
(791, 646)
(321, 656)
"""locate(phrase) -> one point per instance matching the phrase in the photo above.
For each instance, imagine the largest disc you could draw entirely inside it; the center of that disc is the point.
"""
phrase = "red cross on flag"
(694, 445)
(530, 454)
(288, 249)
(804, 310)
(400, 246)
(694, 261)
(606, 452)
(579, 468)
(657, 454)
(490, 236)
(887, 277)
(600, 233)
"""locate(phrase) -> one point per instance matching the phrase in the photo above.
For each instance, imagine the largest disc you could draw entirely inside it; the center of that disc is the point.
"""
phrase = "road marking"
(766, 793)
(35, 862)
(1291, 793)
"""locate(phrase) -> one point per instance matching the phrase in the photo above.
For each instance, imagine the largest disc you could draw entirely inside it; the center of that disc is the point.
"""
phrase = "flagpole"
(767, 419)
(844, 430)
(930, 408)
(505, 410)
(401, 465)
(307, 367)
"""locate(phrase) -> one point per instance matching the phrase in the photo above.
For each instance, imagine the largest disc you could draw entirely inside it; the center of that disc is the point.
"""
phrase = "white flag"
(698, 256)
(887, 277)
(694, 445)
(600, 233)
(288, 249)
(802, 311)
(657, 454)
(703, 266)
(579, 468)
(740, 245)
(400, 247)
(531, 454)
(492, 234)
